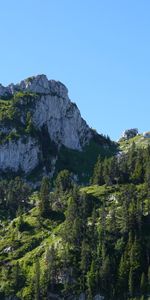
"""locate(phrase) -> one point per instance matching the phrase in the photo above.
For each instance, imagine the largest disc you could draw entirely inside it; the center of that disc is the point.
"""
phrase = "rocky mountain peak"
(36, 84)
(48, 105)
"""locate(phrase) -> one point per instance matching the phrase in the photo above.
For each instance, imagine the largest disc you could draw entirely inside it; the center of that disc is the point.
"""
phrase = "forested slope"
(66, 240)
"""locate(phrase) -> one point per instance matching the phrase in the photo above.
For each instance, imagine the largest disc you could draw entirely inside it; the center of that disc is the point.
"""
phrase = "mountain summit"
(37, 119)
(53, 109)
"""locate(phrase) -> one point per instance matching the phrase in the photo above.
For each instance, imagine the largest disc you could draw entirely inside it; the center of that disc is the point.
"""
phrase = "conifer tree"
(131, 283)
(148, 279)
(91, 279)
(36, 280)
(98, 172)
(44, 203)
(143, 284)
(51, 267)
(123, 277)
(84, 263)
(63, 182)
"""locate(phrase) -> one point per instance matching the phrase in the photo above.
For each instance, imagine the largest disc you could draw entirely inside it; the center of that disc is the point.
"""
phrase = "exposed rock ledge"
(36, 84)
(20, 154)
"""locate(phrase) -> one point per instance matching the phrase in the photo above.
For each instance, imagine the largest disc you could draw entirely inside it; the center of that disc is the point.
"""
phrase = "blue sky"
(99, 48)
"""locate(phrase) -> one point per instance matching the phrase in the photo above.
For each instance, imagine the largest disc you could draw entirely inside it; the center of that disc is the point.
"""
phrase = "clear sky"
(100, 49)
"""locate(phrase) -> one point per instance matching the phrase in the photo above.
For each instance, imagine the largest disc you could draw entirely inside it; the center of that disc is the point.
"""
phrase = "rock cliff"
(48, 103)
(54, 109)
(20, 154)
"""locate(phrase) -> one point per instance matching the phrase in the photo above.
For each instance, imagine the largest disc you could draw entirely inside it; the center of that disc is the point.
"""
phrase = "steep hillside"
(87, 248)
(139, 140)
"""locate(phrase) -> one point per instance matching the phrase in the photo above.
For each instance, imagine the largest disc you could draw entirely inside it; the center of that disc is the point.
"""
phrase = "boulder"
(146, 135)
(129, 133)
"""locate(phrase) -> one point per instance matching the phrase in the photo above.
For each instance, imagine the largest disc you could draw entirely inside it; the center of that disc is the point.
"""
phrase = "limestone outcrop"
(21, 154)
(49, 106)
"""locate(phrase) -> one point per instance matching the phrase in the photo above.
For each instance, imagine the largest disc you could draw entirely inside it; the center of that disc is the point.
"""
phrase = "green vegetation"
(71, 240)
(138, 140)
(127, 167)
(11, 110)
(7, 111)
(82, 163)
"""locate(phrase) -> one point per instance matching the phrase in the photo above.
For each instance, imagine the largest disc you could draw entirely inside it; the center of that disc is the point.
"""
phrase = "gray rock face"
(54, 109)
(2, 90)
(98, 297)
(20, 154)
(82, 296)
(36, 84)
(52, 296)
(51, 108)
(63, 120)
(146, 135)
(129, 133)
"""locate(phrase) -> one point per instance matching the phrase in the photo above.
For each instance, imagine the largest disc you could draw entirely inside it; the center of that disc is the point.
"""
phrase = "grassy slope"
(110, 194)
(139, 141)
(29, 242)
(24, 247)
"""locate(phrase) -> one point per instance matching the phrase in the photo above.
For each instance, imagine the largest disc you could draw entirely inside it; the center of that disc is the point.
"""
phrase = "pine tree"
(44, 203)
(131, 283)
(36, 280)
(131, 157)
(17, 277)
(114, 170)
(20, 222)
(29, 124)
(123, 277)
(91, 279)
(143, 284)
(137, 174)
(51, 268)
(72, 218)
(105, 273)
(84, 263)
(98, 172)
(147, 173)
(63, 182)
(107, 171)
(135, 267)
(148, 279)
